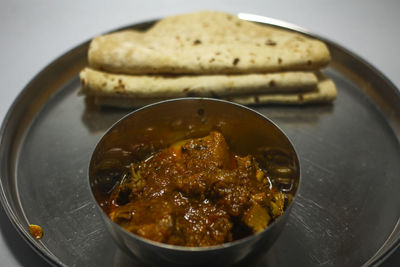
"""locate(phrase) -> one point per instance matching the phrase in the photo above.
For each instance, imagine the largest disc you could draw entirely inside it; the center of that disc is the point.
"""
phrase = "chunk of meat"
(159, 231)
(151, 219)
(204, 224)
(208, 152)
(256, 217)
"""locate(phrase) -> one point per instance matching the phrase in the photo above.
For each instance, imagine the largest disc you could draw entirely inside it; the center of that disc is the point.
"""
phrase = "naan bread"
(206, 42)
(100, 83)
(324, 92)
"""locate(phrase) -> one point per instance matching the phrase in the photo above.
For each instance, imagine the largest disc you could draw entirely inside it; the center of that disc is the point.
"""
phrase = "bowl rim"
(225, 245)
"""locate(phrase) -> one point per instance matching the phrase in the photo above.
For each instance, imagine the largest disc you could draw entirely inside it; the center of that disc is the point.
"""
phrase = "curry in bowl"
(195, 192)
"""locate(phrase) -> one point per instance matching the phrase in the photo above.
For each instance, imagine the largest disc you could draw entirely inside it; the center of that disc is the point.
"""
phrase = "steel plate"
(347, 211)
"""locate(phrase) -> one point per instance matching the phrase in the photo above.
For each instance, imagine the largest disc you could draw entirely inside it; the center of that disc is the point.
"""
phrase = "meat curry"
(198, 193)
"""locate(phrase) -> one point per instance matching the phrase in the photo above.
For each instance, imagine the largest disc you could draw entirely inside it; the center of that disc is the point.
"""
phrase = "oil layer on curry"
(197, 192)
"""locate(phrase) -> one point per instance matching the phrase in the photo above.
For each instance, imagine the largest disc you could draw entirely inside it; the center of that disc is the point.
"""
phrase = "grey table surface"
(33, 33)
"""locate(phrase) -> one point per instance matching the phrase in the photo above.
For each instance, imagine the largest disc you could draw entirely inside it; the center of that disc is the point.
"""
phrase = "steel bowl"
(161, 124)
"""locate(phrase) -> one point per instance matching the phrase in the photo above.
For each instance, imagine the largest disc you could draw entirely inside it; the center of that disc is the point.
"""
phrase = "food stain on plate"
(36, 231)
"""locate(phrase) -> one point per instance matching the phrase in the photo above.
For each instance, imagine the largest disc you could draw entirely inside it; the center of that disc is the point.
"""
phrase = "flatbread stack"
(207, 54)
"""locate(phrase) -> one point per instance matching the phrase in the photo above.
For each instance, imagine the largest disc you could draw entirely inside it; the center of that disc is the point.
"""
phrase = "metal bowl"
(164, 123)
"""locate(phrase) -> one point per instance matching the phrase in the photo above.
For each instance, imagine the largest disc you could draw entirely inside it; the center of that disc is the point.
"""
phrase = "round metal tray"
(347, 211)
